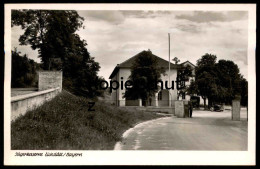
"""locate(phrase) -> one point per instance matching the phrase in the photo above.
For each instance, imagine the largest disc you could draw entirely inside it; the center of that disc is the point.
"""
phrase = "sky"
(114, 36)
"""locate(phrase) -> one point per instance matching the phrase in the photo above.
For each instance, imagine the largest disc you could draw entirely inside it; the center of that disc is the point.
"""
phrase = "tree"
(52, 33)
(193, 88)
(205, 76)
(218, 82)
(183, 75)
(244, 92)
(23, 71)
(176, 60)
(46, 30)
(145, 72)
(229, 78)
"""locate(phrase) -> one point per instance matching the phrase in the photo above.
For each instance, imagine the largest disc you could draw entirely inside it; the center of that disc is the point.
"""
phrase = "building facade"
(162, 98)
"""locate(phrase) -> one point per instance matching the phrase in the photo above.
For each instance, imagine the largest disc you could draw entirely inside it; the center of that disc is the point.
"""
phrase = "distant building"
(163, 98)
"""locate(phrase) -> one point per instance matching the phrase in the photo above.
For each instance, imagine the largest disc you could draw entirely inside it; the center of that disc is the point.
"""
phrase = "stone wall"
(49, 85)
(23, 103)
(49, 80)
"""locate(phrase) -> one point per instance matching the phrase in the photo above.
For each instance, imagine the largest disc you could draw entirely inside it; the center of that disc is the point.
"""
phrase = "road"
(205, 131)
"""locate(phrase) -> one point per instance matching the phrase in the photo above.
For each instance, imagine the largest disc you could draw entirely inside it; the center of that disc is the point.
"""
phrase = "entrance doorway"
(163, 98)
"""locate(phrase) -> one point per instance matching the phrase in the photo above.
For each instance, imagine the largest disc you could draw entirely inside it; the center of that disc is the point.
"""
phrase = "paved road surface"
(205, 131)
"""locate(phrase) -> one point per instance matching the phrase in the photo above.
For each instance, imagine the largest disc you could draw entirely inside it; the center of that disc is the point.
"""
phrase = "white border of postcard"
(137, 157)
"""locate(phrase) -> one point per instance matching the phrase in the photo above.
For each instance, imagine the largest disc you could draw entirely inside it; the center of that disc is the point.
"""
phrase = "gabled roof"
(188, 63)
(128, 64)
(192, 66)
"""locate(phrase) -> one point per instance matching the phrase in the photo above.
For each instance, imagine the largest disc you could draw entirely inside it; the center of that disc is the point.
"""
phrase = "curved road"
(205, 131)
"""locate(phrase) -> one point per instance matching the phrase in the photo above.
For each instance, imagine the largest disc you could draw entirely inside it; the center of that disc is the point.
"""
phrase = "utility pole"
(169, 68)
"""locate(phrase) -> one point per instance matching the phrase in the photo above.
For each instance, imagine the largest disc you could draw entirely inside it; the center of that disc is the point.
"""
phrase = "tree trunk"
(209, 103)
(204, 99)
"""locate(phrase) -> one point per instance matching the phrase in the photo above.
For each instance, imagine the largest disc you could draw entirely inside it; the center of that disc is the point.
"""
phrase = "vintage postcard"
(130, 84)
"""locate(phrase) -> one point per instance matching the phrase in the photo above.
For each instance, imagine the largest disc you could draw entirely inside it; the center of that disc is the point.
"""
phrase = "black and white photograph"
(130, 84)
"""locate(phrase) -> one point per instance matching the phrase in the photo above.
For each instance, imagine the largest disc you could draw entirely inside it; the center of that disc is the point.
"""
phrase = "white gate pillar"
(140, 102)
(156, 99)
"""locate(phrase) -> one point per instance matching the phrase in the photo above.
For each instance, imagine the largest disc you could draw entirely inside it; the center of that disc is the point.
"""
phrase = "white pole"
(169, 69)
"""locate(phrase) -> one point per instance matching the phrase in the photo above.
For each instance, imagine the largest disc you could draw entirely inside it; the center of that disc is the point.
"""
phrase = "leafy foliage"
(229, 79)
(46, 30)
(183, 75)
(193, 88)
(218, 81)
(23, 71)
(244, 92)
(53, 34)
(176, 60)
(145, 72)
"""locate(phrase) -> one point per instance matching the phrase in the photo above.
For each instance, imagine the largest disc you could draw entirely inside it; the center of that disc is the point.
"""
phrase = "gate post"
(140, 102)
(236, 109)
(179, 108)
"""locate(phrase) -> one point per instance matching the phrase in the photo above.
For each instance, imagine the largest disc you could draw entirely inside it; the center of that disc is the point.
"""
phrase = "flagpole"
(169, 56)
(169, 68)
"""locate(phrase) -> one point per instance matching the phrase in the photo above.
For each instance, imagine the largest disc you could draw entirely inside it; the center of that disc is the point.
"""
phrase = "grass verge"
(65, 123)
